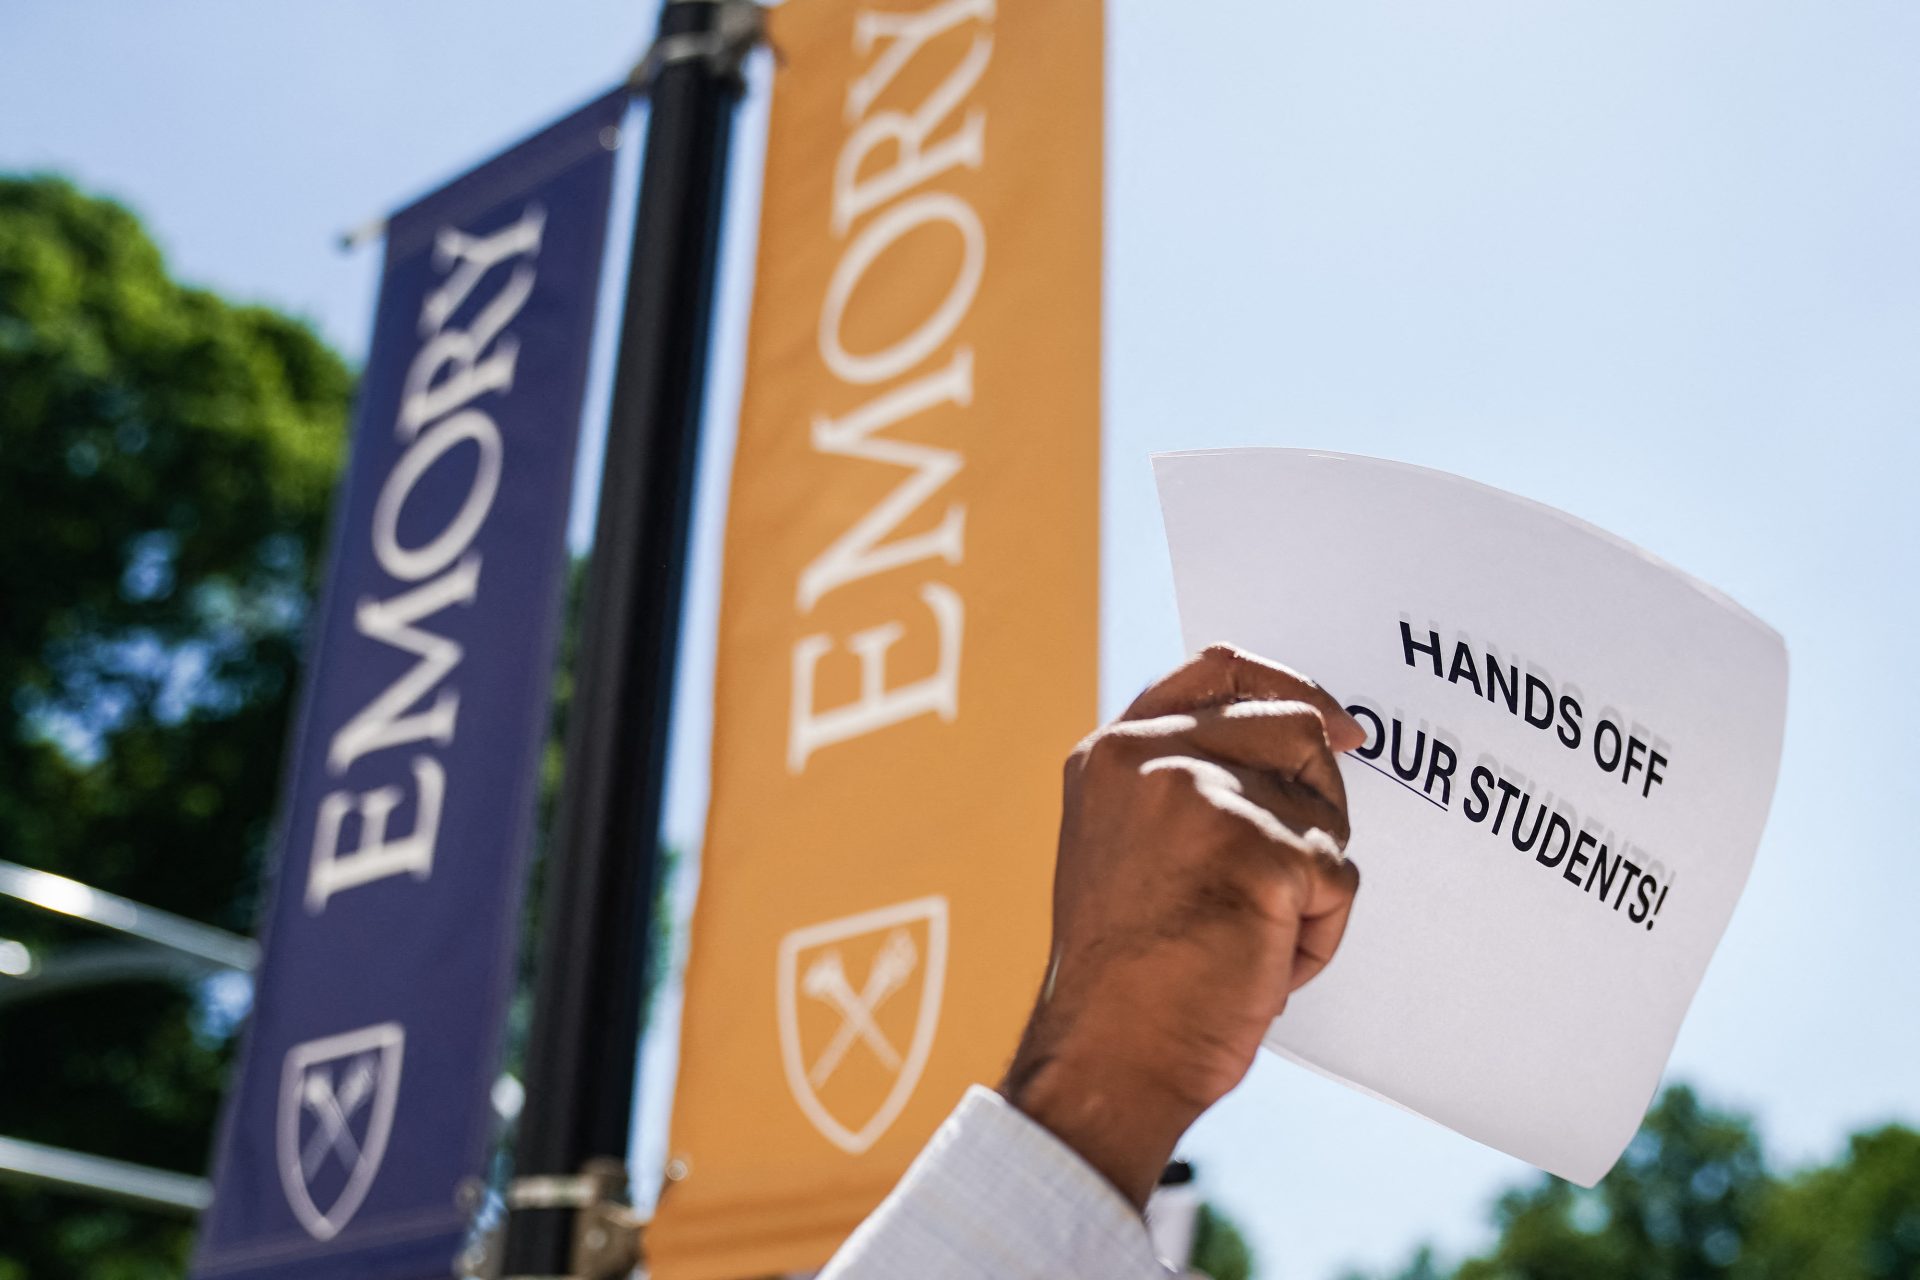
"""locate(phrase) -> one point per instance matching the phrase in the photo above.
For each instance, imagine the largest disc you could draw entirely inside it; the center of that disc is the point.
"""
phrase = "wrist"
(1116, 1119)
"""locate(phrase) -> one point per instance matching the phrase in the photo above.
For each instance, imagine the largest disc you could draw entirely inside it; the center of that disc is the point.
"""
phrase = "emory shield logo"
(859, 1000)
(337, 1096)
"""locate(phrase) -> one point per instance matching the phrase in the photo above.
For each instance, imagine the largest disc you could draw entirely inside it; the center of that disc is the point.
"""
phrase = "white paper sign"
(1572, 751)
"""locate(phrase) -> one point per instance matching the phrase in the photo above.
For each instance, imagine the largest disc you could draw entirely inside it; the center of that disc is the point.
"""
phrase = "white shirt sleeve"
(994, 1196)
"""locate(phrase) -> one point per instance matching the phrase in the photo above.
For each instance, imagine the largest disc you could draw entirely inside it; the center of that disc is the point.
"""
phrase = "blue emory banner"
(361, 1100)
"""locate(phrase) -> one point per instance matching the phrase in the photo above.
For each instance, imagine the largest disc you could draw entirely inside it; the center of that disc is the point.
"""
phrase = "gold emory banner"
(909, 612)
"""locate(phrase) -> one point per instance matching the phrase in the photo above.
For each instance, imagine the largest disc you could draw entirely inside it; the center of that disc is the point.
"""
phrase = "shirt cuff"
(994, 1196)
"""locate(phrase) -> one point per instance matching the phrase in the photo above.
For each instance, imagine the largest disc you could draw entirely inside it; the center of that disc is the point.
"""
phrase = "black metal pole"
(603, 871)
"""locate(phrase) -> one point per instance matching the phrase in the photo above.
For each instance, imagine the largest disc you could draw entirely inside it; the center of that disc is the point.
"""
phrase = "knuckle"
(1278, 885)
(1297, 721)
(1104, 749)
(1328, 837)
(1167, 774)
(1286, 712)
(1219, 652)
(1332, 867)
(1121, 747)
(1076, 761)
(1341, 821)
(1348, 874)
(1187, 790)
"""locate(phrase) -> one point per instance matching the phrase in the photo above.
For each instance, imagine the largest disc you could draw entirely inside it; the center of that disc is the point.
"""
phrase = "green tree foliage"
(1220, 1252)
(166, 460)
(1858, 1219)
(1677, 1206)
(1693, 1199)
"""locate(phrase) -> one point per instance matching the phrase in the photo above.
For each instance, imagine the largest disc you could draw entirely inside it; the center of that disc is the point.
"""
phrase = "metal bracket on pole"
(739, 27)
(606, 1229)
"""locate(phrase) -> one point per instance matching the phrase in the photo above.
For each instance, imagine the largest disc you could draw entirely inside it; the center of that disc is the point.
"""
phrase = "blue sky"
(1651, 263)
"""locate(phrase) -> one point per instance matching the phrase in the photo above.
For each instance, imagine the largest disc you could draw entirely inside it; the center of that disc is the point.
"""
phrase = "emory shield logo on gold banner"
(859, 1001)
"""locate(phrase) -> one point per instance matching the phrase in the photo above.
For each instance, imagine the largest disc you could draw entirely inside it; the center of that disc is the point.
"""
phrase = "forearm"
(1124, 1130)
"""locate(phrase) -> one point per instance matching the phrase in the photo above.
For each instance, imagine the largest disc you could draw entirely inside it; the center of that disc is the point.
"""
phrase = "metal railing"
(67, 897)
(168, 947)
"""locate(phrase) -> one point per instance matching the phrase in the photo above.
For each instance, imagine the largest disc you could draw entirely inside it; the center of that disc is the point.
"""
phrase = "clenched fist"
(1201, 880)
